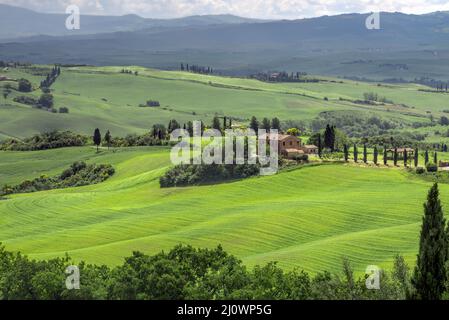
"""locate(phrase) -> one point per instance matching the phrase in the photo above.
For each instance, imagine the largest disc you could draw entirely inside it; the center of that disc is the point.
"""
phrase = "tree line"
(51, 78)
(283, 76)
(197, 69)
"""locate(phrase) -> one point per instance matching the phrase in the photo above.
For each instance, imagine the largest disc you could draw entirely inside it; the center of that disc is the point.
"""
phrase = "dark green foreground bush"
(79, 174)
(185, 175)
(187, 273)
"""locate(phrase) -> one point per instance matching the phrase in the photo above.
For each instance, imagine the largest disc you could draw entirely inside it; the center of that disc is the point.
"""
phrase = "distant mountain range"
(16, 22)
(406, 46)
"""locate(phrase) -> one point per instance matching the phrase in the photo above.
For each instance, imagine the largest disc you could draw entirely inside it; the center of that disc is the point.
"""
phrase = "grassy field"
(308, 218)
(105, 98)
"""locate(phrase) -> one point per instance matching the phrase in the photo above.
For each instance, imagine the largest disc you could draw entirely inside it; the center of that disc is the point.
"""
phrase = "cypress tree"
(333, 138)
(375, 155)
(395, 157)
(435, 157)
(365, 154)
(426, 157)
(97, 138)
(216, 124)
(107, 138)
(416, 157)
(429, 276)
(405, 158)
(266, 124)
(327, 137)
(320, 147)
(356, 153)
(275, 124)
(346, 152)
(254, 124)
(385, 156)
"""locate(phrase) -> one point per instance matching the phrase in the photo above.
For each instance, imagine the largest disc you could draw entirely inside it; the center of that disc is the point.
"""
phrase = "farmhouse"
(291, 146)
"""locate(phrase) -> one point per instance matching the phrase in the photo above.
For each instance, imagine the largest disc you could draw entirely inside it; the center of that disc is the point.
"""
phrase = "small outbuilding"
(401, 152)
(310, 149)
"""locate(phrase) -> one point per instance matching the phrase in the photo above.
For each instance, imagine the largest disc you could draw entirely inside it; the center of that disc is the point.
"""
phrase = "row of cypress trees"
(385, 155)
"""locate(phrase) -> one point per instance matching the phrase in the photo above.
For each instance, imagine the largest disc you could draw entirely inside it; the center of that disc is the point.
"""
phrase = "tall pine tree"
(375, 155)
(266, 124)
(416, 157)
(395, 157)
(254, 124)
(97, 138)
(108, 138)
(216, 124)
(365, 154)
(275, 124)
(320, 146)
(429, 276)
(329, 137)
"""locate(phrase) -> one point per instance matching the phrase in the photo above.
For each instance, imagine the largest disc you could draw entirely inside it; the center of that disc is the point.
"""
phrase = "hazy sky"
(288, 9)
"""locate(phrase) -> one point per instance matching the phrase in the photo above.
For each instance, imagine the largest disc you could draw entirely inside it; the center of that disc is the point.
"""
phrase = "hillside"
(108, 99)
(297, 218)
(17, 22)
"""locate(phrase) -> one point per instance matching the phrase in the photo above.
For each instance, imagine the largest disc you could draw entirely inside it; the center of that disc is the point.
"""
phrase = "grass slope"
(308, 218)
(105, 98)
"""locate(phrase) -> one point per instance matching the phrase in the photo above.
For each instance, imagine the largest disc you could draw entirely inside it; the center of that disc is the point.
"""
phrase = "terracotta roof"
(281, 136)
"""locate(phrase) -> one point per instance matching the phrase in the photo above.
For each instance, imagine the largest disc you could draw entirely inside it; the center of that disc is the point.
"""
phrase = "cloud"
(271, 9)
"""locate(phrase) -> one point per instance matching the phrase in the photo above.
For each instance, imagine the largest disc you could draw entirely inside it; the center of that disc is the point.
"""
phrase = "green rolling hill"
(105, 98)
(308, 218)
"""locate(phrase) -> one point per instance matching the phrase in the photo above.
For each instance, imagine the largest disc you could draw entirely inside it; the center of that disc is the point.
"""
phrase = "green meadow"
(308, 218)
(105, 98)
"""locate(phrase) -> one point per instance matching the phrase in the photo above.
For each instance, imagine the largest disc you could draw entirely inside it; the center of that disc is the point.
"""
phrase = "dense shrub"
(186, 273)
(372, 96)
(63, 110)
(26, 100)
(302, 157)
(134, 140)
(79, 174)
(153, 103)
(420, 170)
(185, 175)
(150, 103)
(431, 167)
(356, 124)
(25, 85)
(49, 140)
(46, 100)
